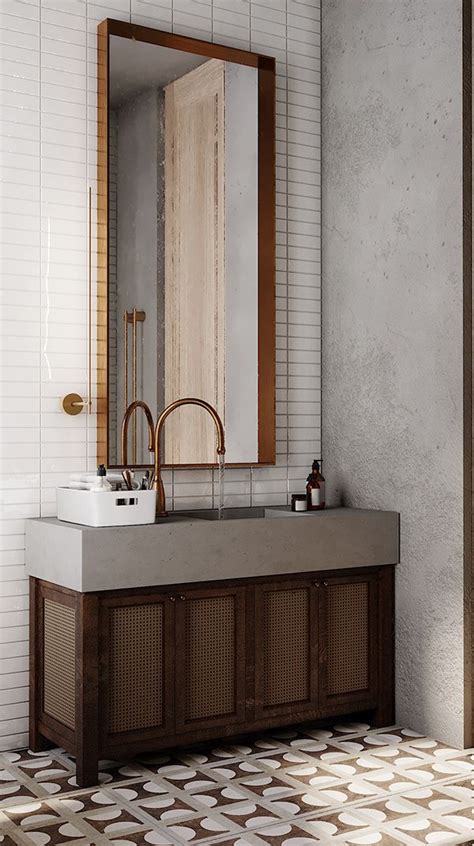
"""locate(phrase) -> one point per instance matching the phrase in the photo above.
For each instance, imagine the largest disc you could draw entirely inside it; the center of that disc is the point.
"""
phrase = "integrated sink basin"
(226, 514)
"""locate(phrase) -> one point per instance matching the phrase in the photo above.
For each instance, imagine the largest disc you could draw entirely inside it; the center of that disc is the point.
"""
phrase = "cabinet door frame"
(239, 715)
(110, 739)
(366, 697)
(296, 707)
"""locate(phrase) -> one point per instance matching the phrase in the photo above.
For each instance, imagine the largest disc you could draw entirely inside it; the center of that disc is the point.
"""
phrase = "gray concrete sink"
(197, 547)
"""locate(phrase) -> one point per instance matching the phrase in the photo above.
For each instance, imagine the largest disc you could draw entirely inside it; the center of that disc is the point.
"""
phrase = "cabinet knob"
(325, 583)
(172, 599)
(317, 584)
(182, 597)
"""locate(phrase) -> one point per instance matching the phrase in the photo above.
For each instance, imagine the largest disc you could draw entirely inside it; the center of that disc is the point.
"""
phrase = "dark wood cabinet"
(210, 658)
(348, 634)
(136, 667)
(286, 648)
(159, 667)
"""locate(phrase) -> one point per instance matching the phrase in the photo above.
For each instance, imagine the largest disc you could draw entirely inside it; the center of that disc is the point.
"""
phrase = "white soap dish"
(106, 508)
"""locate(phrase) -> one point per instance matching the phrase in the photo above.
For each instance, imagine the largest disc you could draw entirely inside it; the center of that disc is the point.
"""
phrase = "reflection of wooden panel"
(194, 258)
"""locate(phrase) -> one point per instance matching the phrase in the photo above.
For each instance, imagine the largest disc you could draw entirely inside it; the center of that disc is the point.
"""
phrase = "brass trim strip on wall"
(73, 403)
(134, 317)
(89, 279)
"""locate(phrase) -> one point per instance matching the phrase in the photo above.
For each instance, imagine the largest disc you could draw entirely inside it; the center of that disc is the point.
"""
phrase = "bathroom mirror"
(186, 222)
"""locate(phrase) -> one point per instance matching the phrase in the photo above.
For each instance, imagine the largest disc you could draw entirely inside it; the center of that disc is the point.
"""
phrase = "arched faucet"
(154, 439)
(133, 407)
(157, 480)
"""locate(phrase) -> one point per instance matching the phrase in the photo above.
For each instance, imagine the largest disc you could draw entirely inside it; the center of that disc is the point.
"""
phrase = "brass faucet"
(126, 420)
(157, 480)
(154, 439)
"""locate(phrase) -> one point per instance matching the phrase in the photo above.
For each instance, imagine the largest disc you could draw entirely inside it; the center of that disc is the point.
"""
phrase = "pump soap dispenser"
(315, 489)
(101, 483)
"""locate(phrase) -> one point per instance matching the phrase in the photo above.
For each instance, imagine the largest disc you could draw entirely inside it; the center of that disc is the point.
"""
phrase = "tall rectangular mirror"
(186, 304)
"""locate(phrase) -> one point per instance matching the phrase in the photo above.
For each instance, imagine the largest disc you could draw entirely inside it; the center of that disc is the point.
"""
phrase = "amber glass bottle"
(315, 489)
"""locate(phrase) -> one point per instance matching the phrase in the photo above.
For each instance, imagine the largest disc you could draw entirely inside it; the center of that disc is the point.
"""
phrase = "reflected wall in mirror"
(186, 244)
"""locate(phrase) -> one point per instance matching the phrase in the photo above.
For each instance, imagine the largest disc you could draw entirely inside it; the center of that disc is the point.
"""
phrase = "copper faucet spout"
(157, 480)
(125, 423)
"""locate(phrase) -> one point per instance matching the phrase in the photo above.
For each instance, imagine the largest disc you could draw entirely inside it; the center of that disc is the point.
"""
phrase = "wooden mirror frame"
(265, 66)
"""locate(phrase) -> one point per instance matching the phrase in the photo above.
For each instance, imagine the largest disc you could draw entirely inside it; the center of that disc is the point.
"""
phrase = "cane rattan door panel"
(350, 633)
(286, 648)
(137, 635)
(210, 654)
(59, 662)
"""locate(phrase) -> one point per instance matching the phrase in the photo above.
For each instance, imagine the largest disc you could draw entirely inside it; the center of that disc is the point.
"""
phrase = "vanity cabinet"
(115, 673)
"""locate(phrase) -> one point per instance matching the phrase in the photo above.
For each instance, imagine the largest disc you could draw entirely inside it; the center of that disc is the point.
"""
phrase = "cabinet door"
(137, 646)
(210, 658)
(348, 641)
(286, 648)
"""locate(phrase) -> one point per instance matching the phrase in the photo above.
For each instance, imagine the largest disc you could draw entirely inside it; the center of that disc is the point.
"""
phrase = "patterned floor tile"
(55, 835)
(285, 834)
(267, 785)
(338, 785)
(235, 770)
(14, 793)
(223, 796)
(35, 813)
(201, 828)
(165, 808)
(142, 837)
(113, 820)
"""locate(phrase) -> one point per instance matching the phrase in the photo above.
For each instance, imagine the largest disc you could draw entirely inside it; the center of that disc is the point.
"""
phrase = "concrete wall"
(392, 307)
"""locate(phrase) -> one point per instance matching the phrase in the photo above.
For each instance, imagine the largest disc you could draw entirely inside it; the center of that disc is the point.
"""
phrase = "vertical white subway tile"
(48, 159)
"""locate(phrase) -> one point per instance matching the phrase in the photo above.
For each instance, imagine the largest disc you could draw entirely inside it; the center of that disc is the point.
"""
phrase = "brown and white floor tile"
(201, 828)
(284, 834)
(424, 829)
(233, 770)
(340, 825)
(343, 785)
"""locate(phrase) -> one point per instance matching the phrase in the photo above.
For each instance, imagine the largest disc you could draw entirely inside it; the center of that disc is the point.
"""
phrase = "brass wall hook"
(73, 404)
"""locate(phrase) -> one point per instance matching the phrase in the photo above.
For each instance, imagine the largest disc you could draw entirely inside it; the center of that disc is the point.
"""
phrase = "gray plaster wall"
(392, 316)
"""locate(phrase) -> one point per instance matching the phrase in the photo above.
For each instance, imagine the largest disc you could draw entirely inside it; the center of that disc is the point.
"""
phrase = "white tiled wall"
(47, 162)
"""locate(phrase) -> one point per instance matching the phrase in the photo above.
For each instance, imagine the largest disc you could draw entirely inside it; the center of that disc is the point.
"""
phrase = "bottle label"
(301, 505)
(317, 495)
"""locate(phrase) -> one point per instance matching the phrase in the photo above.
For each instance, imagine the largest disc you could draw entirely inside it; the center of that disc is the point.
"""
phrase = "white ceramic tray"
(106, 508)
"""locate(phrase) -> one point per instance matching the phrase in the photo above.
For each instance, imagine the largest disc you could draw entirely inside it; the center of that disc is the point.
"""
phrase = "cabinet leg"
(38, 742)
(87, 770)
(383, 715)
(87, 690)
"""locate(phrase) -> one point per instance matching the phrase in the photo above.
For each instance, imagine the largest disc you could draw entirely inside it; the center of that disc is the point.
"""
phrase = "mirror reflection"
(183, 249)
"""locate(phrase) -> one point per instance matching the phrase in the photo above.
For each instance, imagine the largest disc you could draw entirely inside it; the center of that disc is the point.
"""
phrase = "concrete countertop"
(187, 549)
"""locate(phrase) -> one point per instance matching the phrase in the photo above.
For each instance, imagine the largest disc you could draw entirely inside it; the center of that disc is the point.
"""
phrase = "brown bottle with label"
(315, 489)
